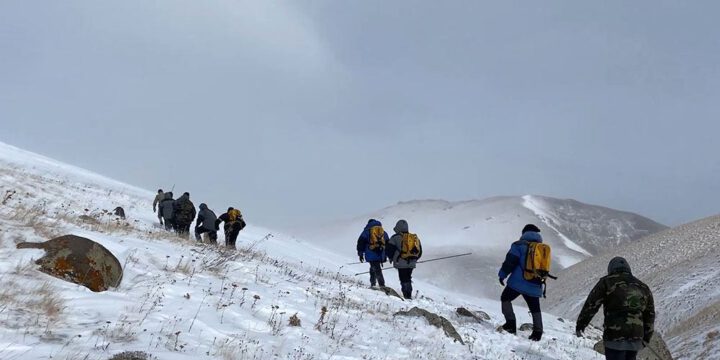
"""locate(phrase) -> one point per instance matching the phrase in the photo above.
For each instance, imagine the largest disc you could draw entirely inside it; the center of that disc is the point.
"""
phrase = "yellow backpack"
(376, 242)
(234, 215)
(537, 262)
(410, 247)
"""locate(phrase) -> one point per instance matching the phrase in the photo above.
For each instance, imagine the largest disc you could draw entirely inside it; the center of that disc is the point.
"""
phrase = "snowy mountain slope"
(487, 228)
(182, 300)
(682, 268)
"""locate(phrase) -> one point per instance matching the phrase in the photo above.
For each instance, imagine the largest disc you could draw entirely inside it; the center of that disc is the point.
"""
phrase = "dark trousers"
(231, 233)
(376, 274)
(533, 303)
(212, 234)
(611, 354)
(508, 295)
(182, 228)
(160, 217)
(406, 282)
(169, 224)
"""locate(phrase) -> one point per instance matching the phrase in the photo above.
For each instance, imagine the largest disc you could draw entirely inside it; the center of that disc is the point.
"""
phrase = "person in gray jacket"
(403, 251)
(205, 223)
(168, 213)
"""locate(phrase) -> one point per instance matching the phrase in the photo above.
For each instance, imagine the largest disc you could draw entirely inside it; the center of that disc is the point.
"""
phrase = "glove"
(578, 333)
(502, 281)
(362, 259)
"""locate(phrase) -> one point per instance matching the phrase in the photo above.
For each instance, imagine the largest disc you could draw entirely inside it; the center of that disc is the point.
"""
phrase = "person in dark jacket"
(374, 256)
(166, 208)
(531, 291)
(629, 311)
(404, 266)
(184, 213)
(205, 223)
(158, 199)
(234, 223)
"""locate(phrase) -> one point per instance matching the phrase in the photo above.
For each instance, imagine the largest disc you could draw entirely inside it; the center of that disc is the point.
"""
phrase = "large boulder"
(434, 320)
(79, 260)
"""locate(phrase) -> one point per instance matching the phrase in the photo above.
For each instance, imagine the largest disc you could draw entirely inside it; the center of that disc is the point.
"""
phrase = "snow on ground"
(182, 300)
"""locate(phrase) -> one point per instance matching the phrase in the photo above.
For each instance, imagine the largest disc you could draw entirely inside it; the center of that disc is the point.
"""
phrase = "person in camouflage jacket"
(184, 213)
(629, 311)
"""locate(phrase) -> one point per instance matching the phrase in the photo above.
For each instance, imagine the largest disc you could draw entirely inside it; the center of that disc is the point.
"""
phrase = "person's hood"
(401, 227)
(169, 195)
(184, 197)
(203, 206)
(532, 236)
(372, 223)
(618, 265)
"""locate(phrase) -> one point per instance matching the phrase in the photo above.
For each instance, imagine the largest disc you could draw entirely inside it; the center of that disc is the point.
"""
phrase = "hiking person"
(119, 212)
(205, 223)
(184, 213)
(166, 208)
(158, 199)
(518, 284)
(629, 311)
(233, 224)
(371, 248)
(403, 251)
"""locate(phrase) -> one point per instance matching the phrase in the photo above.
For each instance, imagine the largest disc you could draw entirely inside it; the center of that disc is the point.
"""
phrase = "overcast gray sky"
(305, 111)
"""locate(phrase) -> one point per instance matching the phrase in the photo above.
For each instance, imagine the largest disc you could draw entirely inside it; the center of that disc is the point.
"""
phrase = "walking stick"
(422, 261)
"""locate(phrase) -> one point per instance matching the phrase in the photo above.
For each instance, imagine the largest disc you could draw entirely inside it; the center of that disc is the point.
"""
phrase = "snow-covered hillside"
(682, 268)
(182, 300)
(487, 228)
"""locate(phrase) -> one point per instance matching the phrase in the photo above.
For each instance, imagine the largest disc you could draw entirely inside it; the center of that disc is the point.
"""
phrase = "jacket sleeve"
(594, 300)
(512, 260)
(200, 220)
(155, 202)
(391, 250)
(649, 318)
(361, 243)
(220, 219)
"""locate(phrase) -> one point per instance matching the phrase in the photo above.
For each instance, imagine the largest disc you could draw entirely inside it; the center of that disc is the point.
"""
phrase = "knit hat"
(530, 227)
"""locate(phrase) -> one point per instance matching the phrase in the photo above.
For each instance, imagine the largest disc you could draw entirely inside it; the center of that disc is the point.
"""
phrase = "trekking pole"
(173, 188)
(443, 258)
(440, 258)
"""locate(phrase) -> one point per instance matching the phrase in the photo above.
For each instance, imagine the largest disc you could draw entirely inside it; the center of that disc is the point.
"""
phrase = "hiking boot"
(510, 327)
(536, 335)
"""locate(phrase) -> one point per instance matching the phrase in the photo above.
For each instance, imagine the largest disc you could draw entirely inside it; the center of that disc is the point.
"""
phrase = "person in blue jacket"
(375, 257)
(531, 291)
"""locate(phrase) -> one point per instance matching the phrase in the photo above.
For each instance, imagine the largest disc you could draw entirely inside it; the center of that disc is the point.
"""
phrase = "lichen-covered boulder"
(78, 260)
(435, 320)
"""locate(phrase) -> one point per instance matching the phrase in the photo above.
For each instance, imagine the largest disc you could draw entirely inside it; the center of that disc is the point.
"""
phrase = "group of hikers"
(178, 214)
(627, 302)
(403, 250)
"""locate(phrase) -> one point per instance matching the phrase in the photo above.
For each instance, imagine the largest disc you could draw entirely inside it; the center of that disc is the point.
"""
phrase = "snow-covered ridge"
(181, 300)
